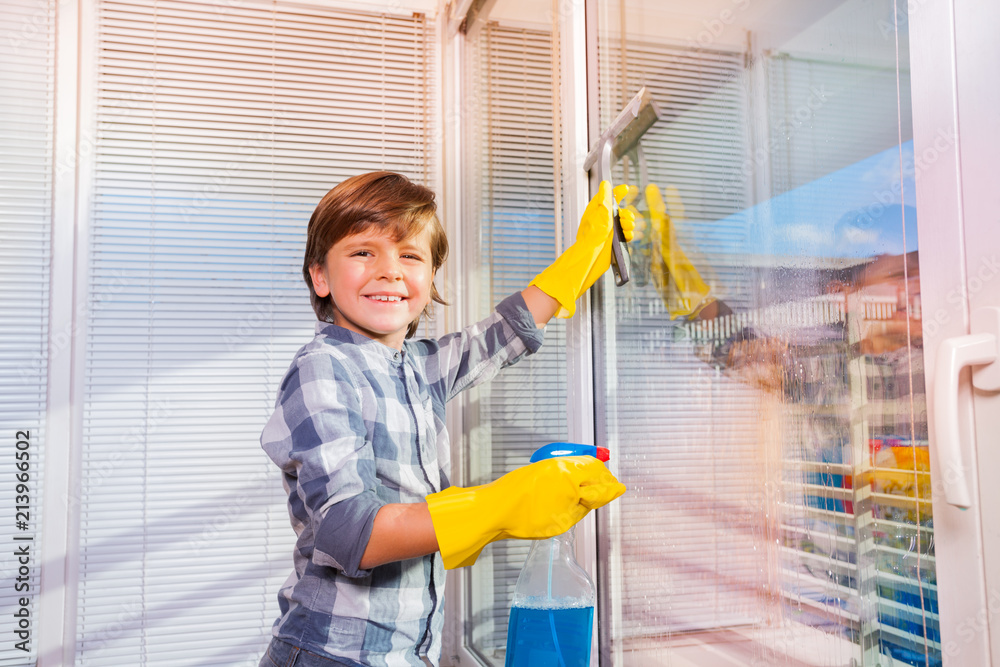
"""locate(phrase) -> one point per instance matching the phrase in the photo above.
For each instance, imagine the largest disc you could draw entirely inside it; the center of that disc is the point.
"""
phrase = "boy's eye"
(362, 253)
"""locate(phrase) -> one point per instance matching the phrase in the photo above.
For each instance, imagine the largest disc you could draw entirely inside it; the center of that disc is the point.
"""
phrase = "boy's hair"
(379, 199)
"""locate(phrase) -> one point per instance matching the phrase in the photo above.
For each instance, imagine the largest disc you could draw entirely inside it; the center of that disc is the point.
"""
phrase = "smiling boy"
(359, 430)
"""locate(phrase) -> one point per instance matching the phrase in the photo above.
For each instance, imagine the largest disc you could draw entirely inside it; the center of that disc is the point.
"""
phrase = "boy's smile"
(378, 285)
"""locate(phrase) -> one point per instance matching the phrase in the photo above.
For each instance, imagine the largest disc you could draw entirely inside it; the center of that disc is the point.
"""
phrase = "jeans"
(283, 654)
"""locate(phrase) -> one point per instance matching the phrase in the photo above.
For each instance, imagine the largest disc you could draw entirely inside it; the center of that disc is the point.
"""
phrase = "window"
(27, 75)
(218, 128)
(510, 131)
(776, 454)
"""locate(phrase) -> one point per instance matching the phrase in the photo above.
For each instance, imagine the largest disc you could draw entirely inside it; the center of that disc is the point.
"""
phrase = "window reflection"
(762, 374)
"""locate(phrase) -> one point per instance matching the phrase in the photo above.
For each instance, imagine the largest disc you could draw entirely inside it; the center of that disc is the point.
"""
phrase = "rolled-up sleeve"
(317, 436)
(522, 322)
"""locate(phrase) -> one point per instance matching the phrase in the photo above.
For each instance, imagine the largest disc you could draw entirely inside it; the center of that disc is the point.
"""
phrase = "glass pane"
(511, 221)
(761, 374)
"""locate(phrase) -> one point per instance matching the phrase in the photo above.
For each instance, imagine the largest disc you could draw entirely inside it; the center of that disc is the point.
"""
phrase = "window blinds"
(512, 175)
(26, 145)
(219, 127)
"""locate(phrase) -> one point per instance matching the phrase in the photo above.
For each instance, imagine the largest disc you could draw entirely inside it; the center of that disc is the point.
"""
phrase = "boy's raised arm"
(582, 263)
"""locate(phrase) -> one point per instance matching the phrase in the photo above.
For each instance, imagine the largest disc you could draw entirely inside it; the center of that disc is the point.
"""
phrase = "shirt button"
(395, 355)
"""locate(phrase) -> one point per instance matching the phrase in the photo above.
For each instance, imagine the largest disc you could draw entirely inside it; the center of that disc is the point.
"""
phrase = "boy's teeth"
(380, 297)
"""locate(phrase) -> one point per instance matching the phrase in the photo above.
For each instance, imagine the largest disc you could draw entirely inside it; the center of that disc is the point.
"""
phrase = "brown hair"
(379, 199)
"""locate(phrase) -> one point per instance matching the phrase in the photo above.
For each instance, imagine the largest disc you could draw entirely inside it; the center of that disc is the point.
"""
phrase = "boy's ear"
(318, 276)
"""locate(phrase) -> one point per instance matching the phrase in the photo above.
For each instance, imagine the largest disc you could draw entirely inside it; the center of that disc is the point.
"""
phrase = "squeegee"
(623, 135)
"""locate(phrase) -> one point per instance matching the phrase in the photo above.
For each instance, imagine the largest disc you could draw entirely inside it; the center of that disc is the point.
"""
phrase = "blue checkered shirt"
(357, 425)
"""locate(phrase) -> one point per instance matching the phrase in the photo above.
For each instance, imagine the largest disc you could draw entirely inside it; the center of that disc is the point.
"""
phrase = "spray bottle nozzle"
(554, 449)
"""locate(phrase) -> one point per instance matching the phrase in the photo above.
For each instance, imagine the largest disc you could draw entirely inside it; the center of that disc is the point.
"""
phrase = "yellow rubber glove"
(534, 502)
(686, 293)
(589, 257)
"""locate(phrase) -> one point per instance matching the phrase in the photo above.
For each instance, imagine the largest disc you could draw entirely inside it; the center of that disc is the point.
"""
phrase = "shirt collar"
(364, 343)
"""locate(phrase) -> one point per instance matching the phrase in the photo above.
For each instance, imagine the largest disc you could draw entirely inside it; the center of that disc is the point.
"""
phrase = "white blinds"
(219, 128)
(513, 207)
(698, 147)
(26, 136)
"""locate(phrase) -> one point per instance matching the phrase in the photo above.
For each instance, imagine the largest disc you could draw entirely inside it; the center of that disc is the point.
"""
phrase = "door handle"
(979, 349)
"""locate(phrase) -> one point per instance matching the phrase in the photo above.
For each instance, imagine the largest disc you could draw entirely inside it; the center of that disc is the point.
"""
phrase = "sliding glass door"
(760, 378)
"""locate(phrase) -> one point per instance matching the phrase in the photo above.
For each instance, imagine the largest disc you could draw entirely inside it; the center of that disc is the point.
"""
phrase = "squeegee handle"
(620, 259)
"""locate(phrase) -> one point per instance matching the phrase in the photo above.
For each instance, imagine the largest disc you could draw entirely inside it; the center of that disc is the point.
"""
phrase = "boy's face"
(377, 285)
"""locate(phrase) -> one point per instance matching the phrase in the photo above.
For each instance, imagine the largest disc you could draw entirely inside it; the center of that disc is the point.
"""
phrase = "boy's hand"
(589, 257)
(534, 502)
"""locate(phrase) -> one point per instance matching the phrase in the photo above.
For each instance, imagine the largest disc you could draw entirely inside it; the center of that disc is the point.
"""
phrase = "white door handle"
(977, 349)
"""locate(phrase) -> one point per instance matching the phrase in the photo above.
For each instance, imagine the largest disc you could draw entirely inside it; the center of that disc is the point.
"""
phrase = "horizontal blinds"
(830, 115)
(511, 136)
(218, 132)
(698, 146)
(684, 437)
(26, 148)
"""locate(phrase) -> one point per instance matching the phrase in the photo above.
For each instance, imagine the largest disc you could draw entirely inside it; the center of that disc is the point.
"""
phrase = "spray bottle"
(552, 614)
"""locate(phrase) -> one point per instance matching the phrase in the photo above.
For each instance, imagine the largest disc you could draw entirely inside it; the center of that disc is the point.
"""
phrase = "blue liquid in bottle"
(557, 637)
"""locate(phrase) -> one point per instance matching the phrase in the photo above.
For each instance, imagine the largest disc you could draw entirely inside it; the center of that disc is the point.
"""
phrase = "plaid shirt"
(358, 424)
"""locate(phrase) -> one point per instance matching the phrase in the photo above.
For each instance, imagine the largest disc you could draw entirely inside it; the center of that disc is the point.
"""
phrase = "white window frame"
(74, 108)
(957, 131)
(575, 100)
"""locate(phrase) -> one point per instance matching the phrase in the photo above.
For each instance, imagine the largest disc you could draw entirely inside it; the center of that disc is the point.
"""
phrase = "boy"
(359, 429)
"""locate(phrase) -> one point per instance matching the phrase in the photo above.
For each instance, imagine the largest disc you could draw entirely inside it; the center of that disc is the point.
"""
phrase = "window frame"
(578, 100)
(75, 107)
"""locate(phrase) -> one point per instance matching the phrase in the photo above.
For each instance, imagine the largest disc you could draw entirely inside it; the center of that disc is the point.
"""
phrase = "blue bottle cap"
(554, 449)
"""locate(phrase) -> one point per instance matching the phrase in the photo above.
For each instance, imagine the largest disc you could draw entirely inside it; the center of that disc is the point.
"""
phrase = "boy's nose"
(389, 268)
